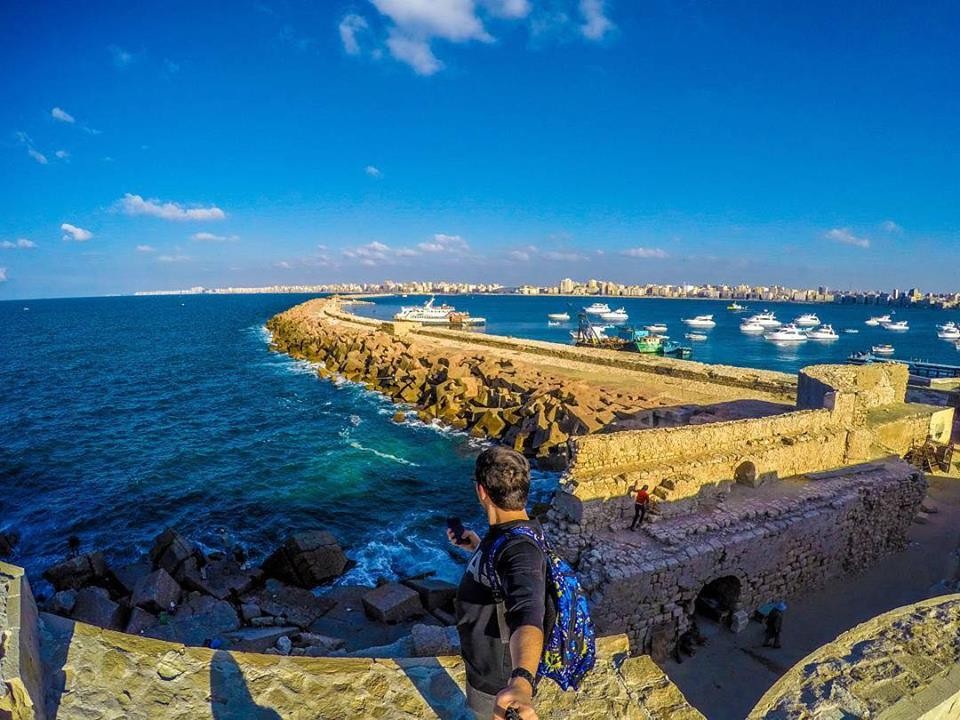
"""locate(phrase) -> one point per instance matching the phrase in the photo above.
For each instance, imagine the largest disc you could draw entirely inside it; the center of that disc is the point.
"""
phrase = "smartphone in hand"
(455, 525)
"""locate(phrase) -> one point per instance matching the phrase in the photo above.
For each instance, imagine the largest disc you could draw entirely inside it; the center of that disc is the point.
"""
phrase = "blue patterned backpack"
(569, 652)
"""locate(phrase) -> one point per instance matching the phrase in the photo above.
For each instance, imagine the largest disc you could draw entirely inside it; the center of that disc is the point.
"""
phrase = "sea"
(122, 416)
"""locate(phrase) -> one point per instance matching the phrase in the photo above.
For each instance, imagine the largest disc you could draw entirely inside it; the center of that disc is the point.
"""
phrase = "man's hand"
(471, 538)
(517, 696)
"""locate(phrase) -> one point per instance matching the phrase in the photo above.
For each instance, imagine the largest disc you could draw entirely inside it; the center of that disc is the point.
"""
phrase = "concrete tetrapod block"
(392, 603)
(94, 607)
(156, 591)
(433, 593)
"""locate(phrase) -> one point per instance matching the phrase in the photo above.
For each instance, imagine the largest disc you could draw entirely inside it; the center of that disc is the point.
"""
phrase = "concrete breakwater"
(529, 397)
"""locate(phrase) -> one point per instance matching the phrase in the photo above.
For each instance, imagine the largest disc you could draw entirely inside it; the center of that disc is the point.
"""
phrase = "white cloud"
(373, 171)
(3, 274)
(351, 26)
(415, 52)
(644, 252)
(846, 237)
(74, 233)
(136, 205)
(370, 254)
(444, 244)
(62, 115)
(454, 20)
(596, 24)
(563, 256)
(25, 140)
(146, 248)
(20, 244)
(405, 252)
(519, 255)
(62, 155)
(283, 265)
(510, 9)
(889, 226)
(121, 58)
(210, 237)
(175, 258)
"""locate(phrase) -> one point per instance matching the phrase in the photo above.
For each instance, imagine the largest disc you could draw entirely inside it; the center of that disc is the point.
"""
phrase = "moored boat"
(949, 331)
(879, 320)
(824, 332)
(736, 307)
(616, 316)
(882, 349)
(656, 328)
(696, 336)
(751, 327)
(558, 317)
(766, 319)
(429, 313)
(899, 326)
(807, 320)
(789, 333)
(597, 308)
(700, 321)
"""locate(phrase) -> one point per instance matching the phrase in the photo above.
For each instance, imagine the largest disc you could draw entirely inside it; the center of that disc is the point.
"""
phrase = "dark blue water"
(121, 416)
(526, 316)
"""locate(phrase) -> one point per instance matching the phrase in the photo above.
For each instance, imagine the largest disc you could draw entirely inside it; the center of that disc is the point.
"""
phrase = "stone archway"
(746, 474)
(719, 599)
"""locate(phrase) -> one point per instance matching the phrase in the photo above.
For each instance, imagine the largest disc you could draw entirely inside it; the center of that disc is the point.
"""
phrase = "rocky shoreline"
(501, 399)
(180, 594)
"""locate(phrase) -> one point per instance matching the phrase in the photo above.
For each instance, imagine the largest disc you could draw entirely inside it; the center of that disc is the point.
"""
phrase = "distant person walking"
(641, 503)
(774, 625)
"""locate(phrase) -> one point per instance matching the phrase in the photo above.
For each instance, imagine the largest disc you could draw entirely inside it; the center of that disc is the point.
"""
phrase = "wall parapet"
(21, 686)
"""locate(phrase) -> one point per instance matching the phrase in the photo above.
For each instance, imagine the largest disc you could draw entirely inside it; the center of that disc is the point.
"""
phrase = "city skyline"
(510, 141)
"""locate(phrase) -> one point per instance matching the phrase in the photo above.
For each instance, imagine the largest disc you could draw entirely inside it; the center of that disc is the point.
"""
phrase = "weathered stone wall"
(871, 386)
(902, 665)
(835, 523)
(21, 688)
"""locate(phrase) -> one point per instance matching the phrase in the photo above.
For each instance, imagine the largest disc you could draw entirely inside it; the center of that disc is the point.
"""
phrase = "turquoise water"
(526, 316)
(121, 416)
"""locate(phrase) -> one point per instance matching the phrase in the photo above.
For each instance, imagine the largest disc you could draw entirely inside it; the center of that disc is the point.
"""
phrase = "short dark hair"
(505, 475)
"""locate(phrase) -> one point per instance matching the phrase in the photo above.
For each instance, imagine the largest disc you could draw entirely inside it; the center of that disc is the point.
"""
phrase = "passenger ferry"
(432, 314)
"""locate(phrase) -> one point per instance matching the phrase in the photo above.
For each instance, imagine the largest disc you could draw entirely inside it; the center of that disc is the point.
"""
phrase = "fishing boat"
(767, 319)
(824, 332)
(882, 349)
(789, 333)
(736, 307)
(656, 328)
(879, 320)
(807, 320)
(597, 308)
(899, 326)
(429, 313)
(751, 327)
(559, 317)
(700, 321)
(950, 331)
(696, 336)
(640, 341)
(673, 349)
(616, 316)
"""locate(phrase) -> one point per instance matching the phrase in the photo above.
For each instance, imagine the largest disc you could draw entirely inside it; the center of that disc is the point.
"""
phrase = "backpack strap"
(488, 568)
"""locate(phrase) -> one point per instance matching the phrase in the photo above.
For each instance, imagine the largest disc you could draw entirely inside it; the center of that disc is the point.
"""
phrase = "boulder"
(284, 645)
(62, 603)
(94, 607)
(307, 559)
(257, 639)
(392, 603)
(139, 621)
(171, 551)
(297, 606)
(320, 644)
(433, 593)
(223, 578)
(197, 621)
(249, 611)
(77, 572)
(127, 576)
(156, 591)
(433, 640)
(8, 542)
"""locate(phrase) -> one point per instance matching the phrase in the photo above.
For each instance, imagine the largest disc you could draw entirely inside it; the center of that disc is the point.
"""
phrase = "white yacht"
(899, 326)
(767, 319)
(882, 349)
(788, 333)
(656, 328)
(879, 320)
(807, 320)
(699, 337)
(700, 321)
(824, 332)
(597, 309)
(428, 313)
(558, 317)
(950, 331)
(751, 327)
(617, 316)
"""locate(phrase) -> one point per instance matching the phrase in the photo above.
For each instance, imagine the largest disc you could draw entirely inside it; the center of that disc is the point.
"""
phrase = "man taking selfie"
(502, 642)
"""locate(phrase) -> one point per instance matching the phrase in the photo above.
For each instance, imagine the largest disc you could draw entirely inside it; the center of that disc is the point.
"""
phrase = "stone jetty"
(521, 394)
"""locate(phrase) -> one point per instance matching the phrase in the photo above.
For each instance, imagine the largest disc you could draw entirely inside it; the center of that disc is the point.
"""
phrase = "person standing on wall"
(641, 504)
(502, 642)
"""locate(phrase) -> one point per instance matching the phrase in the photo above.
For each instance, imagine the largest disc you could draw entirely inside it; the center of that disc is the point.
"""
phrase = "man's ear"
(481, 492)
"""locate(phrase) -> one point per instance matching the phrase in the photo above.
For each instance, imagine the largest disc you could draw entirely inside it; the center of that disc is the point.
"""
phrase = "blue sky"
(251, 143)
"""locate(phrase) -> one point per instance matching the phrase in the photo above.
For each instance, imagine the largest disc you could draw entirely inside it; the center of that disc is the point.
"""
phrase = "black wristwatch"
(526, 675)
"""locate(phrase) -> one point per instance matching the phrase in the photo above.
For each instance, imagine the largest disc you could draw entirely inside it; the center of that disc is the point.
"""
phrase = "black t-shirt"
(522, 569)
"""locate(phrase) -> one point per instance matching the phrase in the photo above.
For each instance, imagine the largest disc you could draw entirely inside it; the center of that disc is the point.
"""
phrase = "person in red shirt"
(642, 502)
